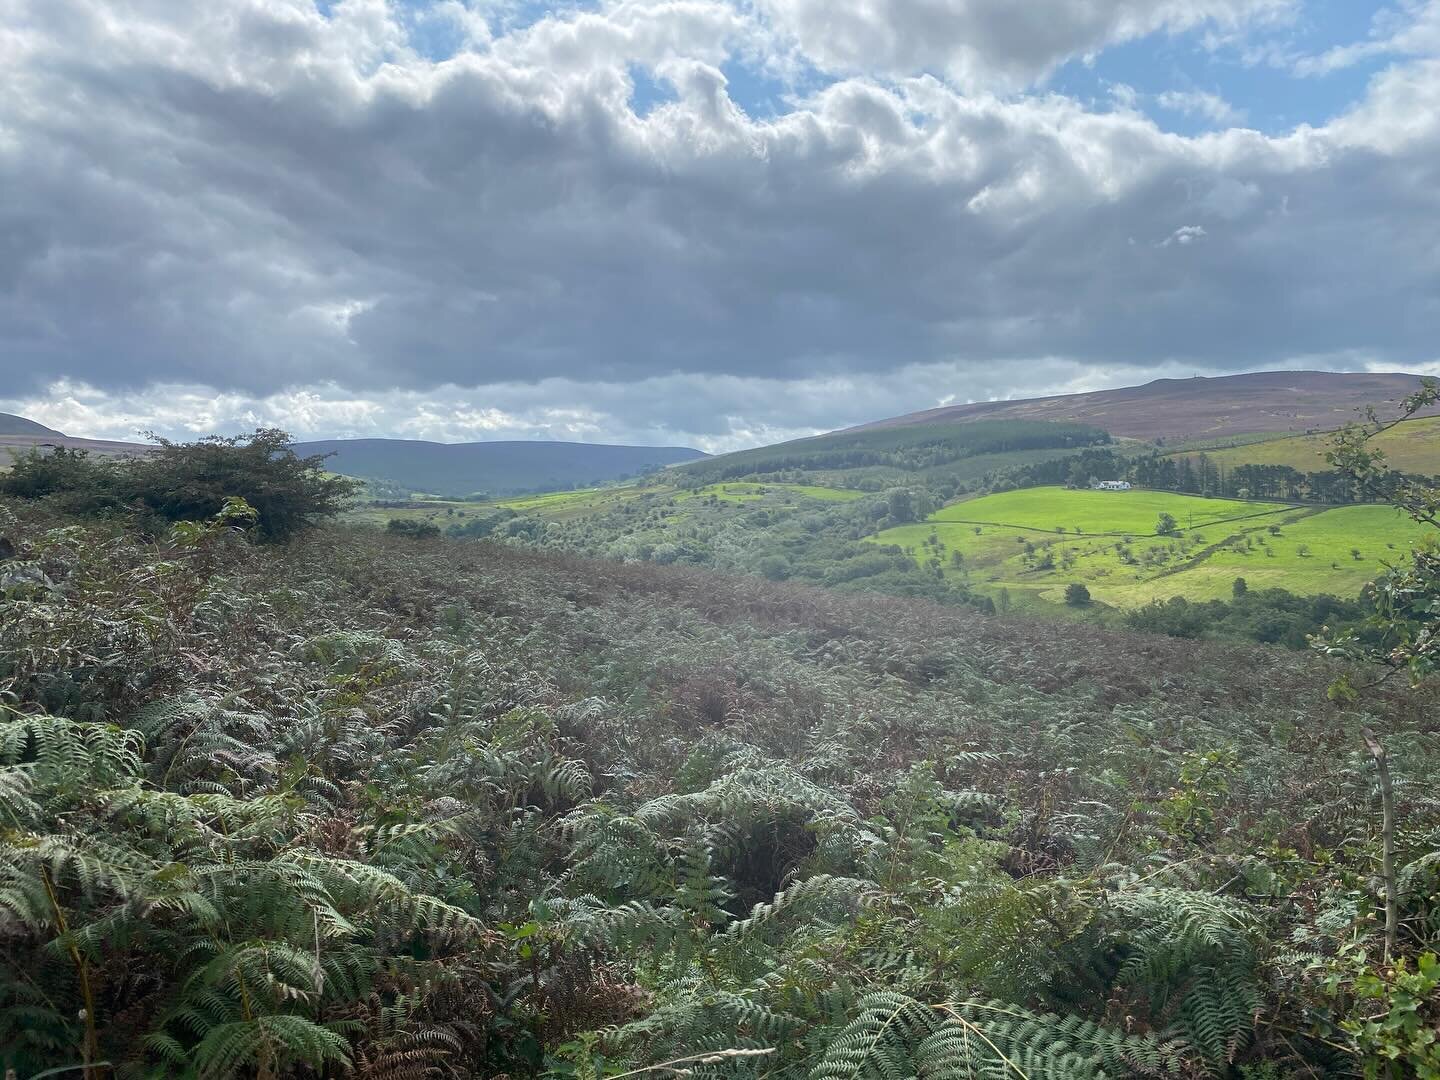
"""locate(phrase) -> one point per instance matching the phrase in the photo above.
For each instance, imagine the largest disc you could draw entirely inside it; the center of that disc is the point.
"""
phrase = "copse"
(189, 482)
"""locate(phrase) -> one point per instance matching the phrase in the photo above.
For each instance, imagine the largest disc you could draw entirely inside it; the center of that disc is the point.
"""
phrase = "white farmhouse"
(1113, 485)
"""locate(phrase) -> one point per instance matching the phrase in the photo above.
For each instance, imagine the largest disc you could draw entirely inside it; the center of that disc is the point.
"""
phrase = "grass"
(1052, 509)
(567, 505)
(1412, 446)
(746, 492)
(1004, 543)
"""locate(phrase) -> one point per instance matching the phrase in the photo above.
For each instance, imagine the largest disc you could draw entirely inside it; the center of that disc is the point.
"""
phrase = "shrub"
(421, 530)
(188, 482)
(1076, 594)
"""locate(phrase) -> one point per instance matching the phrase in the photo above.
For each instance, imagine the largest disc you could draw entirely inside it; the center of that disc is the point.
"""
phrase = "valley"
(740, 772)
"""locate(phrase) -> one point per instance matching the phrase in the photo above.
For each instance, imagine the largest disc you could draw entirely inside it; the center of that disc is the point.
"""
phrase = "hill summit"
(10, 424)
(1198, 408)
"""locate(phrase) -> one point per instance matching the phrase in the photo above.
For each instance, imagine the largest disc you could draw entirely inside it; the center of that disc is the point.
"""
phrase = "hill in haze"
(10, 424)
(496, 467)
(1199, 408)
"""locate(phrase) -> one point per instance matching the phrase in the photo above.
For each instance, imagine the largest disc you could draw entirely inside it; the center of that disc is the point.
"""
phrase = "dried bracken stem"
(1387, 838)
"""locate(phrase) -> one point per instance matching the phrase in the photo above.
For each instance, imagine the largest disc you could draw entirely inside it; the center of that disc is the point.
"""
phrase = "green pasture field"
(1412, 446)
(1050, 509)
(1119, 559)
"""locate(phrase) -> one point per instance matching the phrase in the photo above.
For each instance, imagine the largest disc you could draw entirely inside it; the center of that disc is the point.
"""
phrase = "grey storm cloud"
(250, 197)
(985, 43)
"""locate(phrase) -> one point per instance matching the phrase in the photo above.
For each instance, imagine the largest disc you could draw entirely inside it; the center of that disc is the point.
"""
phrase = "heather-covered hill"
(11, 424)
(1179, 410)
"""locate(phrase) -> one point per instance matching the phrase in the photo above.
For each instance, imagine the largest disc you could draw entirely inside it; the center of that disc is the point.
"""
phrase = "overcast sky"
(703, 222)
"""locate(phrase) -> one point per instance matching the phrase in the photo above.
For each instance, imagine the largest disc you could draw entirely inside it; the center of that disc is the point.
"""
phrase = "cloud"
(714, 413)
(1201, 103)
(251, 210)
(1186, 234)
(992, 43)
(1411, 28)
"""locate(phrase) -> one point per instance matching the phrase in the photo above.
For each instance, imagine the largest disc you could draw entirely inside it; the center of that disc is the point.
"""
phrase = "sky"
(713, 223)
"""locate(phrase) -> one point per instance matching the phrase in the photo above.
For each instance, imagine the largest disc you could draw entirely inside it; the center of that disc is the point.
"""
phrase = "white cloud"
(241, 210)
(1186, 234)
(1411, 28)
(1203, 103)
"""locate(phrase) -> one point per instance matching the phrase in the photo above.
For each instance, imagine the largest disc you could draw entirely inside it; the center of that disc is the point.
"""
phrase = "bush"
(188, 482)
(421, 530)
(1077, 595)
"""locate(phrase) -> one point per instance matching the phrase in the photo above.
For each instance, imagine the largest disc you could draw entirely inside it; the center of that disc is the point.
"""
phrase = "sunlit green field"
(1119, 559)
(1052, 509)
(1413, 447)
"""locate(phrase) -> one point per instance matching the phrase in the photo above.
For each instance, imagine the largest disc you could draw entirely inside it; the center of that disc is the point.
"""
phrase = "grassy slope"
(743, 493)
(1230, 540)
(1050, 508)
(839, 454)
(1413, 447)
(566, 505)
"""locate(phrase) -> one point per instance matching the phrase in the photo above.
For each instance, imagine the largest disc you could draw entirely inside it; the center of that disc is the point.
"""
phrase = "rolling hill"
(500, 468)
(10, 424)
(1412, 447)
(878, 456)
(1176, 410)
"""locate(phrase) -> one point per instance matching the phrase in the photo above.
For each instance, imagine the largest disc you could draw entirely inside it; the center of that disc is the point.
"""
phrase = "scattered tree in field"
(1076, 594)
(1238, 588)
(1166, 525)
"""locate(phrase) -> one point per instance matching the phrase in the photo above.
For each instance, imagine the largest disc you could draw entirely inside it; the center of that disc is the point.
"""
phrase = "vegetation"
(408, 807)
(187, 481)
(380, 804)
(1412, 446)
(1132, 549)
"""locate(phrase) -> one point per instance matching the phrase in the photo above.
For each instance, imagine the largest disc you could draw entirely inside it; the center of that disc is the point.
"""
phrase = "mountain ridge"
(11, 424)
(1200, 407)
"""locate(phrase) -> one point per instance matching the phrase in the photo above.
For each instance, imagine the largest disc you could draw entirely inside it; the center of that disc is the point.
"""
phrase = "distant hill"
(500, 468)
(11, 424)
(880, 454)
(11, 445)
(1176, 410)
